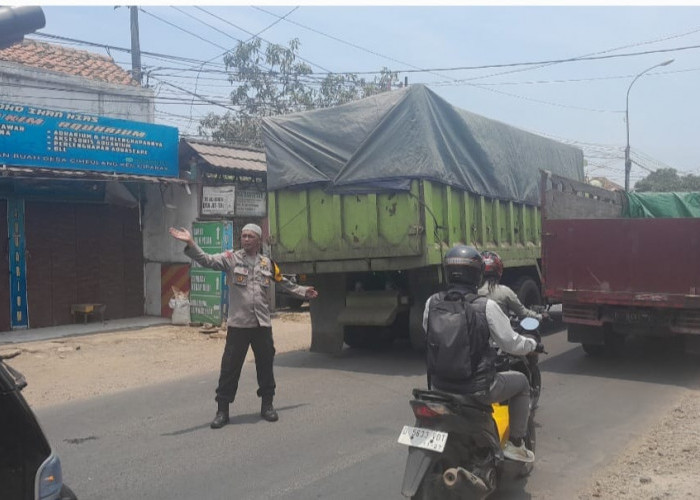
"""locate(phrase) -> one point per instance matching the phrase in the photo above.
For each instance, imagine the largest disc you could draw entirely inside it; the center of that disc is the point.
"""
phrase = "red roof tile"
(67, 61)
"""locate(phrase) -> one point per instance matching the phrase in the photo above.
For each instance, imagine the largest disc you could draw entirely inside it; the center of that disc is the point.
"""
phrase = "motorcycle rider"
(501, 294)
(464, 269)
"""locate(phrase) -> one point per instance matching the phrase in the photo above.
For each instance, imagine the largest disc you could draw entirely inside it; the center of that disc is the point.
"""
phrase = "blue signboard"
(38, 137)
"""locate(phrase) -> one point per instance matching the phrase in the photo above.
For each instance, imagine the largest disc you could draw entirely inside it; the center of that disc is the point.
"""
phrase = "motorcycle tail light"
(429, 410)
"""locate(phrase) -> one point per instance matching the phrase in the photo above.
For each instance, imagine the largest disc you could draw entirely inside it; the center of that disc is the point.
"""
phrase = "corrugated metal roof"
(65, 60)
(229, 157)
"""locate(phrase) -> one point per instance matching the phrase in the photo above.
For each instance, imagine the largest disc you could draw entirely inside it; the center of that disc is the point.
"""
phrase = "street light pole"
(628, 161)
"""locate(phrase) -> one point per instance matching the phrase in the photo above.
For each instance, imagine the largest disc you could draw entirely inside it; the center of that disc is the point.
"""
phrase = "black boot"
(221, 417)
(267, 411)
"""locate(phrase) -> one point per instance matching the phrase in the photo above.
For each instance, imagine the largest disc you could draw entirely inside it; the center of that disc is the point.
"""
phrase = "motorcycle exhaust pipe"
(452, 476)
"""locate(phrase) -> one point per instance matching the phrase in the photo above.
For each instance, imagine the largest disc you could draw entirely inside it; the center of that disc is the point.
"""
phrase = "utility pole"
(135, 46)
(628, 160)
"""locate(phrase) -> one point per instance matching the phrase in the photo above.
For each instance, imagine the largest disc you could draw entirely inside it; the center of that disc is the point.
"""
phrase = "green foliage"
(668, 180)
(274, 82)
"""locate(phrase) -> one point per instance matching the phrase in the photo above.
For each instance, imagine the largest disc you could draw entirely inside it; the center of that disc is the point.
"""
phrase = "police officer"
(251, 277)
(464, 269)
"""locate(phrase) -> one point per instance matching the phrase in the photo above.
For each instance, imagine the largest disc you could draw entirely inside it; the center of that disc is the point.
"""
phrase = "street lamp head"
(666, 63)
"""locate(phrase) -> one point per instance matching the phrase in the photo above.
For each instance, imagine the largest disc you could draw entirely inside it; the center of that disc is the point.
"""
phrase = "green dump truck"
(366, 198)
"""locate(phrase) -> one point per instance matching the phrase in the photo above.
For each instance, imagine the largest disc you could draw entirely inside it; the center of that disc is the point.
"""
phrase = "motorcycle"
(456, 445)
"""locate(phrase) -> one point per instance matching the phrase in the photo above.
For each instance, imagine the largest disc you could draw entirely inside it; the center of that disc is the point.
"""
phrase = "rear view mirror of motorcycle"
(529, 324)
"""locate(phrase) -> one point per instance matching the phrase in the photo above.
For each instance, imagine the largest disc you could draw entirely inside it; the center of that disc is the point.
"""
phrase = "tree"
(274, 82)
(667, 180)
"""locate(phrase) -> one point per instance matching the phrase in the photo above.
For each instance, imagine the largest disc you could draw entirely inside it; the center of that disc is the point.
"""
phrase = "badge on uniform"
(241, 275)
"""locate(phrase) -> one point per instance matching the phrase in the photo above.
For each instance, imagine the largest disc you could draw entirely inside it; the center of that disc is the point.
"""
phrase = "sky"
(563, 72)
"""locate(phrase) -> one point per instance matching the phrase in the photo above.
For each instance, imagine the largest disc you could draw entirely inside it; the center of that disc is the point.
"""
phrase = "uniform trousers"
(514, 387)
(237, 342)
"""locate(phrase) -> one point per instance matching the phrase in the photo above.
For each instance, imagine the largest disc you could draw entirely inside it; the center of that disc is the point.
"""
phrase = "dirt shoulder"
(75, 368)
(660, 465)
(663, 464)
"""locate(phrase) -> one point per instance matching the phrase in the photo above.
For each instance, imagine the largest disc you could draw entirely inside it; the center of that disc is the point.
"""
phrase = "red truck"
(615, 274)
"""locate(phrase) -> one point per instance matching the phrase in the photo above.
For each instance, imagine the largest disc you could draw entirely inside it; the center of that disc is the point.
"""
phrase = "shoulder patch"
(276, 271)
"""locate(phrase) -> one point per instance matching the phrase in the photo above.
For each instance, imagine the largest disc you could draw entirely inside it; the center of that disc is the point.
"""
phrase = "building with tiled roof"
(57, 77)
(67, 61)
(70, 132)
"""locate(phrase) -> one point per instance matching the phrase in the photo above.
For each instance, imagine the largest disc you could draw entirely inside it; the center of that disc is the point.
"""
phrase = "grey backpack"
(450, 343)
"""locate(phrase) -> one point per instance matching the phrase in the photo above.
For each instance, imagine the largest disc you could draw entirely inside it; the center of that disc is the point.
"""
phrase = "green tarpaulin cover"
(662, 205)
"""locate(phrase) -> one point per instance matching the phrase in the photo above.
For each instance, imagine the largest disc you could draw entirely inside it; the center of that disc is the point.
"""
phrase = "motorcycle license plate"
(427, 439)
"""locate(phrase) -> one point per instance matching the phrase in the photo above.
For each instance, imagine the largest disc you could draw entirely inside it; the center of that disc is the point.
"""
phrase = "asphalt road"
(340, 417)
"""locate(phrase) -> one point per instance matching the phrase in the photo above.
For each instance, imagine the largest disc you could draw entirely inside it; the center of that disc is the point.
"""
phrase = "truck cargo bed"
(642, 262)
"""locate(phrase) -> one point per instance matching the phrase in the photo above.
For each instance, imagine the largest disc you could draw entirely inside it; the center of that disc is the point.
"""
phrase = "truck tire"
(527, 291)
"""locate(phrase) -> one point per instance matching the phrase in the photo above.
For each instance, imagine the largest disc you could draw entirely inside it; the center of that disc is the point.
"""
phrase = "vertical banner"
(18, 268)
(208, 288)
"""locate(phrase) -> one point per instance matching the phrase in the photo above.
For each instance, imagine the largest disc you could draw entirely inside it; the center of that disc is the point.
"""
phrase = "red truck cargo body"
(613, 274)
(633, 262)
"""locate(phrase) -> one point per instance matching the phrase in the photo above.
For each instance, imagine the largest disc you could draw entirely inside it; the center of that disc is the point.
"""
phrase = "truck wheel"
(593, 350)
(527, 291)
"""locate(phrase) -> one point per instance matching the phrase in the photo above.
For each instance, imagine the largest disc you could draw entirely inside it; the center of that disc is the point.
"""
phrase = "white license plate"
(427, 439)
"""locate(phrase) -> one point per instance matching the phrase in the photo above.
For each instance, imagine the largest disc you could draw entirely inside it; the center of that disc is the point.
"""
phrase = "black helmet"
(464, 265)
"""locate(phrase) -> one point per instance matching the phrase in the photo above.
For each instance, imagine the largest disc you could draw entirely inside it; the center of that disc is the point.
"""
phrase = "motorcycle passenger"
(464, 268)
(501, 294)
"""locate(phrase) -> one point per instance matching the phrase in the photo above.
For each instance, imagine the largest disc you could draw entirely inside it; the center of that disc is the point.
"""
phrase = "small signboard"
(218, 200)
(251, 203)
(46, 138)
(210, 236)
